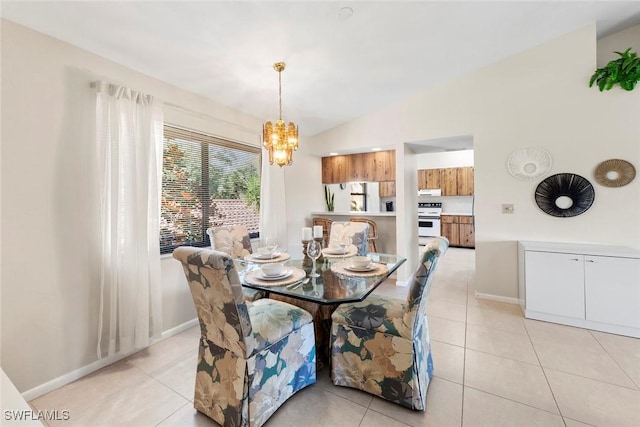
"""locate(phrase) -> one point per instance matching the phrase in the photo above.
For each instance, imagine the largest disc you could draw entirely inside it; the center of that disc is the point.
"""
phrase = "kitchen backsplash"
(451, 204)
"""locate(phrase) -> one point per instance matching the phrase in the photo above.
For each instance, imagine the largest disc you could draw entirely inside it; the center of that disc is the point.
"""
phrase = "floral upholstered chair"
(355, 233)
(235, 241)
(232, 239)
(252, 357)
(381, 345)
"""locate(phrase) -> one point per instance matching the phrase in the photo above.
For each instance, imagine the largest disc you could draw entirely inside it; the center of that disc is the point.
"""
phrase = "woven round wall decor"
(564, 195)
(614, 173)
(529, 163)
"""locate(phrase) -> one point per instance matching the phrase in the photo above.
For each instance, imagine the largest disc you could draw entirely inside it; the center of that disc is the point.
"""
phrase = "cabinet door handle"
(589, 260)
(574, 259)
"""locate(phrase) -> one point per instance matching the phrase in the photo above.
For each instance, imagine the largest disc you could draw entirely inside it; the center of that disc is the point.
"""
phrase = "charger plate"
(280, 258)
(351, 251)
(253, 278)
(339, 268)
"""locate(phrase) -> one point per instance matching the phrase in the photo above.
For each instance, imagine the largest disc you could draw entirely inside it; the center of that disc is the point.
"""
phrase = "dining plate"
(369, 267)
(336, 251)
(267, 256)
(281, 276)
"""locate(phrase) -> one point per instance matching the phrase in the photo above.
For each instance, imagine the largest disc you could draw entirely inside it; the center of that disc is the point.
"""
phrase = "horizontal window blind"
(206, 182)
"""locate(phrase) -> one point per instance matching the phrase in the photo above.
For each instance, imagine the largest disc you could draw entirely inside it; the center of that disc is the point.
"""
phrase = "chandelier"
(280, 140)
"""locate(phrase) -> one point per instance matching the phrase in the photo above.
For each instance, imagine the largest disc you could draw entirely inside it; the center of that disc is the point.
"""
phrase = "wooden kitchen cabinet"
(384, 166)
(465, 181)
(452, 181)
(335, 169)
(387, 189)
(361, 167)
(449, 181)
(374, 167)
(458, 229)
(428, 178)
(450, 229)
(466, 231)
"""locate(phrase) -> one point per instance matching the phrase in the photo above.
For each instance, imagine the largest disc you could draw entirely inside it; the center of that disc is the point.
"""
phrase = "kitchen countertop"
(457, 213)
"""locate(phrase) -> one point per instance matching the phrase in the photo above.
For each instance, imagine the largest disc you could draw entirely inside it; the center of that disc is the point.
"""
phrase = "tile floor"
(492, 368)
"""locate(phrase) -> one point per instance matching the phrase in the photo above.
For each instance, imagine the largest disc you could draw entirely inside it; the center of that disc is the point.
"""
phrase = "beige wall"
(537, 98)
(49, 278)
(49, 282)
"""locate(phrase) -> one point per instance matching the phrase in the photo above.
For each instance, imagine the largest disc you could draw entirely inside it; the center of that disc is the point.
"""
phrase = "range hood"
(430, 192)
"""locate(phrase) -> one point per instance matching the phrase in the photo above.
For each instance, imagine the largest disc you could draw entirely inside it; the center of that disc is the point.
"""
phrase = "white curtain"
(273, 209)
(129, 131)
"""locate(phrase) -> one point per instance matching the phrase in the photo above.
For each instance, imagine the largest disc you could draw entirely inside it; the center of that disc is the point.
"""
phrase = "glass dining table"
(336, 283)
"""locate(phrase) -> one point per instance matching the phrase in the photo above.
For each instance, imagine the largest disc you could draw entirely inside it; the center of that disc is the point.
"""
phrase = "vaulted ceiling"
(344, 59)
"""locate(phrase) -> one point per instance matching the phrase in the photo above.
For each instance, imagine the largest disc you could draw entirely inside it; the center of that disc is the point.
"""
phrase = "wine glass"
(314, 249)
(344, 243)
(271, 244)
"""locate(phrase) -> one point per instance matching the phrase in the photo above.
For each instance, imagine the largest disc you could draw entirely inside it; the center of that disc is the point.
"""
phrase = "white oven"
(429, 219)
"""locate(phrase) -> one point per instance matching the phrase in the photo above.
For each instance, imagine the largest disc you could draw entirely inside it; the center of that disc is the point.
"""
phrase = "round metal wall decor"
(529, 163)
(614, 173)
(564, 195)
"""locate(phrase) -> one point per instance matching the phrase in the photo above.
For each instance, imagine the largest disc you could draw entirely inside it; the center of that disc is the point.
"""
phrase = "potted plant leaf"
(624, 71)
(328, 198)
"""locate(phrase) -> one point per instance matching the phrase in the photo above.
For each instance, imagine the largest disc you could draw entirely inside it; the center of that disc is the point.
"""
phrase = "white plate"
(266, 256)
(281, 276)
(370, 267)
(336, 251)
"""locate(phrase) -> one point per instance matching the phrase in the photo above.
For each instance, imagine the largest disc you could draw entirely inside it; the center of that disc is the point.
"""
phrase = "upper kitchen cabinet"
(428, 179)
(335, 169)
(384, 166)
(452, 181)
(374, 167)
(449, 181)
(387, 189)
(361, 166)
(465, 181)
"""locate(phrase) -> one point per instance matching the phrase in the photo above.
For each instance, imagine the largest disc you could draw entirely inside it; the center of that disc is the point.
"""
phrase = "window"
(206, 182)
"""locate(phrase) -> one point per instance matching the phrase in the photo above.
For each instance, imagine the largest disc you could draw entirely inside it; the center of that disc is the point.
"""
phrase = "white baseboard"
(499, 298)
(97, 365)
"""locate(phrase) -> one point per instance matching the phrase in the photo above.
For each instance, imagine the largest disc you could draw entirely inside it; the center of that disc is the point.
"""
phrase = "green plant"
(328, 198)
(624, 71)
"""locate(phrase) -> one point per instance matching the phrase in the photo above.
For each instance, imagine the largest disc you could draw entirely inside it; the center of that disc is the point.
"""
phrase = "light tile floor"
(492, 368)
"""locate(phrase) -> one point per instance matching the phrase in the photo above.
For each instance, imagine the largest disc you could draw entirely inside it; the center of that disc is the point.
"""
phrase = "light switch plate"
(507, 208)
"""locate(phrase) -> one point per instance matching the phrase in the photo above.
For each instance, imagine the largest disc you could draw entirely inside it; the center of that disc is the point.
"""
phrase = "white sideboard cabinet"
(590, 286)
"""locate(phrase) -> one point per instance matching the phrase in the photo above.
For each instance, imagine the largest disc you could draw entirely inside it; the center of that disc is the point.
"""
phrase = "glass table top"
(334, 286)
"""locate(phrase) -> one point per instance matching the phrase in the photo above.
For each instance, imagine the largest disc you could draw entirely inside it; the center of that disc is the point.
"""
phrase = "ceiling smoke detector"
(344, 13)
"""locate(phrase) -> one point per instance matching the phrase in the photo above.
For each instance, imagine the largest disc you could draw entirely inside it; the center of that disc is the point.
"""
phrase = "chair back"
(355, 232)
(420, 281)
(218, 297)
(231, 239)
(372, 234)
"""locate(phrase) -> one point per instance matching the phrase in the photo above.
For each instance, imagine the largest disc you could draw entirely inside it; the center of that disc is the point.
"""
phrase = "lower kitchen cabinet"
(458, 229)
(590, 286)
